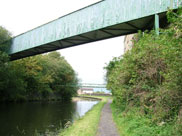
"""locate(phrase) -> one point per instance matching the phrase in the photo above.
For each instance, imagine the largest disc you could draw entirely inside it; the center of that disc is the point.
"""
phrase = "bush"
(149, 76)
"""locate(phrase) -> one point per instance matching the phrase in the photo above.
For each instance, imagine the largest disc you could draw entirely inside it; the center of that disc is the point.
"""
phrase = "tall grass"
(133, 123)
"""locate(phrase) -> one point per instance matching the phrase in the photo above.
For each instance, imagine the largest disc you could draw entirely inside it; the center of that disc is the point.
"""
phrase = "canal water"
(37, 117)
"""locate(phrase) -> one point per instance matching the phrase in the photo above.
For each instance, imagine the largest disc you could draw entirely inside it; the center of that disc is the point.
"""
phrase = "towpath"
(106, 124)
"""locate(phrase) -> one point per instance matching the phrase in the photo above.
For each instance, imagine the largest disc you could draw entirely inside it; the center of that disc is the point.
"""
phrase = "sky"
(88, 60)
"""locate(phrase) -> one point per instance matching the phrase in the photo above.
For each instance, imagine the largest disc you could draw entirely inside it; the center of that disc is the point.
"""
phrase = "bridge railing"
(84, 85)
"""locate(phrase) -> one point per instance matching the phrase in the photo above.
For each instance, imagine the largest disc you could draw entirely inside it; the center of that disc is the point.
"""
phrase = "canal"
(29, 118)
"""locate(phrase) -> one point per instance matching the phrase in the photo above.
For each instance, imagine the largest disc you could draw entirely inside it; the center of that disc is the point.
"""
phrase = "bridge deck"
(103, 20)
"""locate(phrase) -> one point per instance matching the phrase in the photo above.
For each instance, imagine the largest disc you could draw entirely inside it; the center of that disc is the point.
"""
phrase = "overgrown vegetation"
(147, 82)
(42, 77)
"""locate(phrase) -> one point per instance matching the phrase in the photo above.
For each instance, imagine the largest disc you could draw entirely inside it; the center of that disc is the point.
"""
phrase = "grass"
(87, 125)
(133, 123)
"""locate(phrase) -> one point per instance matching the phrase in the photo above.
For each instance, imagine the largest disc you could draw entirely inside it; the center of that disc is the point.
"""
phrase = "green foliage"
(148, 77)
(5, 37)
(46, 76)
(41, 77)
(133, 123)
(10, 88)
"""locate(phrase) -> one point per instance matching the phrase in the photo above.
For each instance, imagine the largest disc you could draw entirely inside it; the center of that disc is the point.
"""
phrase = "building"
(79, 92)
(85, 91)
(128, 42)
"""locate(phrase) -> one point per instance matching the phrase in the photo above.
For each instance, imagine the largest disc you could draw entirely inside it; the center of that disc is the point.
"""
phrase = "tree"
(5, 37)
(34, 78)
(11, 84)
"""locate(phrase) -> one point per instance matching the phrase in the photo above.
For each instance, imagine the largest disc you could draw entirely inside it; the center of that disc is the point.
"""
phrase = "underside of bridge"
(102, 20)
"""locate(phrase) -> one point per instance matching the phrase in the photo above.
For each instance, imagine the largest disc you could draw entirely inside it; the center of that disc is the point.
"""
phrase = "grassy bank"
(133, 123)
(87, 125)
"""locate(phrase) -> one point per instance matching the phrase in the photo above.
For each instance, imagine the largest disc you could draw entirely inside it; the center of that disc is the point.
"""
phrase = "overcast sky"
(88, 60)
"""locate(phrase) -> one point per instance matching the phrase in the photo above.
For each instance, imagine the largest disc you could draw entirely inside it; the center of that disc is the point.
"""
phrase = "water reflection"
(83, 106)
(24, 119)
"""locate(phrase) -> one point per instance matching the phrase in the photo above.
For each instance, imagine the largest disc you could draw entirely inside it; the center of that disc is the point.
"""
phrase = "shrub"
(149, 76)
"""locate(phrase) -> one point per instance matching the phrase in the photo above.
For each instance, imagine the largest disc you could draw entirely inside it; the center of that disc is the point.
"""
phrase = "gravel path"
(106, 124)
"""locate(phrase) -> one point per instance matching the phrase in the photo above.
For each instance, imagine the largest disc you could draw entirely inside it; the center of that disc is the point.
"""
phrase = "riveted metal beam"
(79, 40)
(137, 28)
(60, 43)
(68, 41)
(107, 32)
(85, 37)
(119, 29)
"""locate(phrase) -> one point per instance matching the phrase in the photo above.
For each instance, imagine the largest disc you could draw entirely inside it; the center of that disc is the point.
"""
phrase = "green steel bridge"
(102, 20)
(85, 85)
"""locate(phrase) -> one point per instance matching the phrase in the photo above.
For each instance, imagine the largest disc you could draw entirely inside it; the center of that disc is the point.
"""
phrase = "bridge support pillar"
(157, 24)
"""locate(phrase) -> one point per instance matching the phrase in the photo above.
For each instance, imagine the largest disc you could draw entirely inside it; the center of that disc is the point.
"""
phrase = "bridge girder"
(102, 20)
